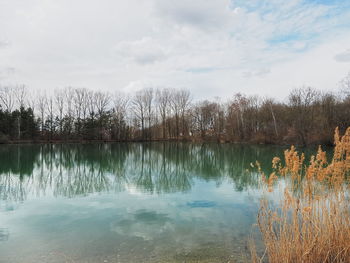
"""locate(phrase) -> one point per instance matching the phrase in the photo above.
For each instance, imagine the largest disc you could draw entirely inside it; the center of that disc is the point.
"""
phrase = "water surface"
(159, 202)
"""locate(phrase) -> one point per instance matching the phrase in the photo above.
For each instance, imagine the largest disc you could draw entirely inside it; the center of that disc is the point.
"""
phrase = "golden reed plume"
(311, 222)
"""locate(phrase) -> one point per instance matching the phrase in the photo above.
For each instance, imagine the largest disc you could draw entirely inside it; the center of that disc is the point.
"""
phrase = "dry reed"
(311, 222)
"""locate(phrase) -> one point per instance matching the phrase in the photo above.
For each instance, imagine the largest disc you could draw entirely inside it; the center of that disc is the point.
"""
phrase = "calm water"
(160, 202)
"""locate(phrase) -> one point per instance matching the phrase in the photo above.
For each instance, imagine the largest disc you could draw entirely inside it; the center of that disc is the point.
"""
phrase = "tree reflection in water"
(73, 170)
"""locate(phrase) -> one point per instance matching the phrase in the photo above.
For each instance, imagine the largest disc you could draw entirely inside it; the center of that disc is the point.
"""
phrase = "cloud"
(343, 56)
(143, 223)
(4, 44)
(144, 51)
(201, 14)
(6, 72)
(257, 73)
(202, 70)
(214, 48)
(134, 86)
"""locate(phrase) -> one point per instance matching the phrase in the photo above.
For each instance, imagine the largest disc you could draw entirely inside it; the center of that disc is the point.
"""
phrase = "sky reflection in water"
(127, 202)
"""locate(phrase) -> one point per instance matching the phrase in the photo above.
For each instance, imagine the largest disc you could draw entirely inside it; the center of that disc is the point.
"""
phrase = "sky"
(214, 48)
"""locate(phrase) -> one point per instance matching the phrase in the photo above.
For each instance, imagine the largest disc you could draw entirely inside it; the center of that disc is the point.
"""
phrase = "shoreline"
(199, 141)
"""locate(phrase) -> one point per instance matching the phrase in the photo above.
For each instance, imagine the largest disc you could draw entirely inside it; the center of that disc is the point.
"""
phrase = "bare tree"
(302, 102)
(203, 115)
(148, 101)
(50, 110)
(142, 105)
(102, 101)
(31, 100)
(121, 102)
(69, 95)
(85, 105)
(345, 85)
(42, 102)
(270, 104)
(20, 93)
(184, 98)
(219, 118)
(91, 104)
(238, 108)
(163, 99)
(175, 102)
(79, 103)
(139, 110)
(60, 105)
(7, 98)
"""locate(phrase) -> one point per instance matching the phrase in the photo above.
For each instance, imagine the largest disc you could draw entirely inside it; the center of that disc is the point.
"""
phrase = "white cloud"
(134, 86)
(265, 47)
(343, 56)
(202, 14)
(144, 51)
(6, 72)
(257, 73)
(3, 44)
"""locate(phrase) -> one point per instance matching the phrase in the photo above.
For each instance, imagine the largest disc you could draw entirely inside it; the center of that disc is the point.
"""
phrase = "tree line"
(308, 116)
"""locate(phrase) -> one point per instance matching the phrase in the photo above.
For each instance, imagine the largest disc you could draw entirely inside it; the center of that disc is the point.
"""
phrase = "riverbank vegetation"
(78, 114)
(311, 222)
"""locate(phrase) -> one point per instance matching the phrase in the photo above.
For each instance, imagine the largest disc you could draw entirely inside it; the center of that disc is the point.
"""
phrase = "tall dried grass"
(311, 223)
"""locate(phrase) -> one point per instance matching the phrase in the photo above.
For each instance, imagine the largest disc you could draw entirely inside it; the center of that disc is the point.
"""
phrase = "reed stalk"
(311, 221)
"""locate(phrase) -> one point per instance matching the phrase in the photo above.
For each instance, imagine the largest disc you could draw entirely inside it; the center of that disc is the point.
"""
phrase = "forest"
(307, 116)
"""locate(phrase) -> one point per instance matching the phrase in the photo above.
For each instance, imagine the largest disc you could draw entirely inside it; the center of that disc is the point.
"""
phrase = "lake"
(129, 202)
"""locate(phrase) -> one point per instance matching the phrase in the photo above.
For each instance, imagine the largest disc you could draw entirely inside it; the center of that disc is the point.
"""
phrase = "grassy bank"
(311, 222)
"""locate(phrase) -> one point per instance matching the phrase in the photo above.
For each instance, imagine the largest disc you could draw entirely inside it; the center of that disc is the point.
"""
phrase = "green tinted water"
(160, 202)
